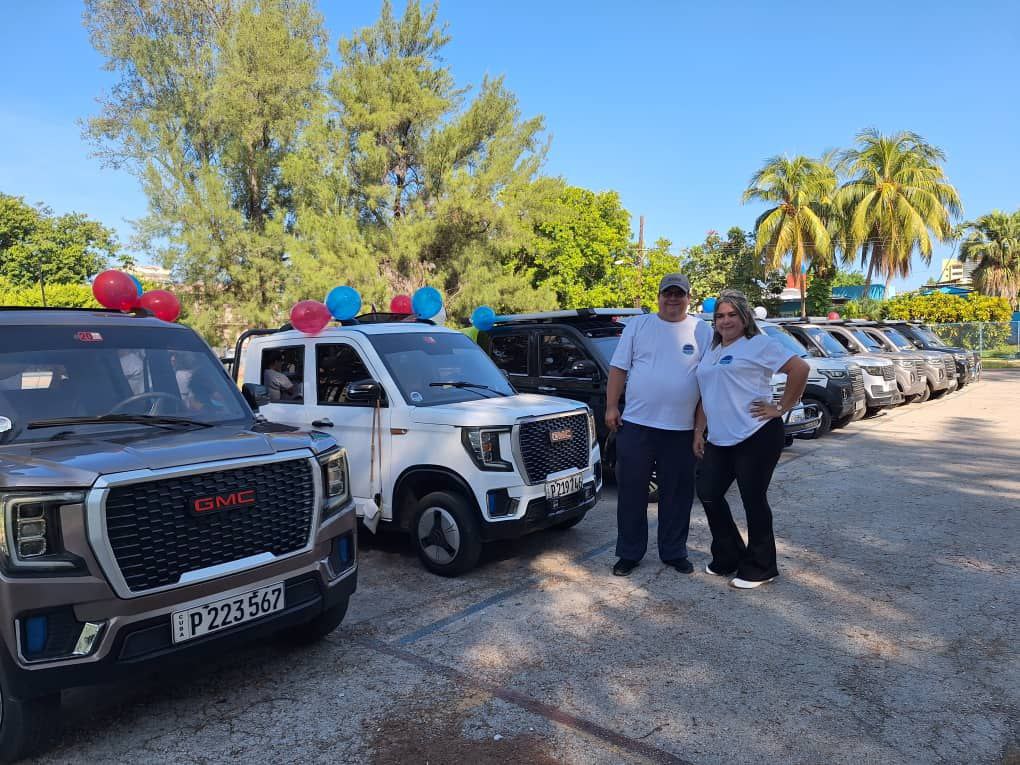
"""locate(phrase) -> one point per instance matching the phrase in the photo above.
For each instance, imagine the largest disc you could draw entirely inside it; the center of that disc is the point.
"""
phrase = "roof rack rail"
(570, 313)
(385, 317)
(137, 311)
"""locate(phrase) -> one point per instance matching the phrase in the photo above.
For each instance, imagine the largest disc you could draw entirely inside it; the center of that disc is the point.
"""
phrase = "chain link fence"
(993, 339)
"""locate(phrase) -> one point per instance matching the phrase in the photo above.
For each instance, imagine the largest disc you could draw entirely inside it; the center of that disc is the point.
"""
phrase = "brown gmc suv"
(148, 515)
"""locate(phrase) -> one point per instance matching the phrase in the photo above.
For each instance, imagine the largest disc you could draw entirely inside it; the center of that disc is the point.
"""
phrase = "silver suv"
(147, 514)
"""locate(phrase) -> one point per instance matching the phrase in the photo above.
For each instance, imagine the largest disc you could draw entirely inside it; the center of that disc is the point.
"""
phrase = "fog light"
(344, 553)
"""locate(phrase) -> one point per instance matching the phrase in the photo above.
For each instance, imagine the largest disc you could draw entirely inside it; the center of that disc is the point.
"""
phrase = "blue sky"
(673, 105)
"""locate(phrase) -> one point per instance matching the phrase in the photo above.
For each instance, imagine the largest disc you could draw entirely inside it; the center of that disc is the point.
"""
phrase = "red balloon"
(115, 289)
(163, 304)
(400, 304)
(309, 316)
(833, 315)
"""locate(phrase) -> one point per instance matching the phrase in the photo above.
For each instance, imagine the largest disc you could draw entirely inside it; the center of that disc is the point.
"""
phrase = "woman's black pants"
(750, 463)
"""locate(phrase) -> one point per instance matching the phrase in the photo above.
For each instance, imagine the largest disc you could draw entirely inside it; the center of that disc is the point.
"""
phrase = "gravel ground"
(889, 638)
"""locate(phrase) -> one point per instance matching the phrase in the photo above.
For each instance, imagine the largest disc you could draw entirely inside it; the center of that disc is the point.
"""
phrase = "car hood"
(871, 360)
(77, 461)
(505, 410)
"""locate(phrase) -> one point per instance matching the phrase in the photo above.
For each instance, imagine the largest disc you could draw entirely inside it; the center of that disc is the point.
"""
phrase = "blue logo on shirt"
(726, 360)
(689, 349)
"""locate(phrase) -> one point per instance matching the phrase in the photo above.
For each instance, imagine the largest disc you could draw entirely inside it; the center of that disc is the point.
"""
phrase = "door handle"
(323, 423)
(546, 387)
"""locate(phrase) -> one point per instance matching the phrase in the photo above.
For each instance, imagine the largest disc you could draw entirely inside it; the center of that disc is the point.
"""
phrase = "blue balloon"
(709, 305)
(426, 302)
(483, 318)
(138, 284)
(343, 303)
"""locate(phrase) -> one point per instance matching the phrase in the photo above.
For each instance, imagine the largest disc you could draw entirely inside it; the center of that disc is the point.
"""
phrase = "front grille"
(888, 373)
(950, 364)
(541, 456)
(857, 382)
(918, 368)
(156, 538)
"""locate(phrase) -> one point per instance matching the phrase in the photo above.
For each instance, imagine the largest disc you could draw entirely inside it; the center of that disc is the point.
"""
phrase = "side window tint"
(558, 354)
(283, 371)
(510, 352)
(842, 340)
(337, 365)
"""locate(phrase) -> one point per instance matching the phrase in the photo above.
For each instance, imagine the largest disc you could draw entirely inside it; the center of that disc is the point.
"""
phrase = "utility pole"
(641, 260)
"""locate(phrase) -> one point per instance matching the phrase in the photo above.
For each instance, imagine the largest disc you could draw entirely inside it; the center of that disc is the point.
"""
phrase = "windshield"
(897, 339)
(788, 341)
(866, 340)
(419, 360)
(59, 372)
(929, 337)
(606, 346)
(828, 343)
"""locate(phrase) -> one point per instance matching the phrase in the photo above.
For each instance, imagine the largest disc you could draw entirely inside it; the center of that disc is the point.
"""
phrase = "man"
(656, 360)
(280, 386)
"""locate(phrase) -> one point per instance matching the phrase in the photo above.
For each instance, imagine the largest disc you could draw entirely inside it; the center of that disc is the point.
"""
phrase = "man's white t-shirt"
(660, 358)
(733, 377)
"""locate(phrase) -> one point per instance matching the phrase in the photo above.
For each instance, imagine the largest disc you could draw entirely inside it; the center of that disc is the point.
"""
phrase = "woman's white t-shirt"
(734, 376)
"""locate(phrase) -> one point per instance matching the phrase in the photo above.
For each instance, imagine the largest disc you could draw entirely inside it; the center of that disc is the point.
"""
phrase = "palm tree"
(798, 225)
(994, 243)
(896, 198)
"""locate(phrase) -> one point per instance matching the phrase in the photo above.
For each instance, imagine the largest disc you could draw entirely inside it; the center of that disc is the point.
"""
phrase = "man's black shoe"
(683, 565)
(624, 566)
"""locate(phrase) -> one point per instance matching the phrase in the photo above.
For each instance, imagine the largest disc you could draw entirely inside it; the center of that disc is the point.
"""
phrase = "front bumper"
(541, 513)
(886, 398)
(801, 419)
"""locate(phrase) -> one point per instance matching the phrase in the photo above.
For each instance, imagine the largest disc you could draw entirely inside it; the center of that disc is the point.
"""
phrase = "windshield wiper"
(159, 421)
(465, 384)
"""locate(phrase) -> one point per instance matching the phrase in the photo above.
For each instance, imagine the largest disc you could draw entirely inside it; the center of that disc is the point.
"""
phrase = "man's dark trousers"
(640, 450)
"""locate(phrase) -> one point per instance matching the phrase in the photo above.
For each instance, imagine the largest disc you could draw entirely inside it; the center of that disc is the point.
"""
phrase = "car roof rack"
(571, 314)
(384, 317)
(142, 313)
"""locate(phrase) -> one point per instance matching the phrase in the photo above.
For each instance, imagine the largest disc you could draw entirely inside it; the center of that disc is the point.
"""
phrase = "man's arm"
(614, 389)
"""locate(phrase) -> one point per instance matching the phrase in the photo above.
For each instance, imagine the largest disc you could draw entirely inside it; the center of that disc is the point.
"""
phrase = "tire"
(564, 525)
(825, 425)
(842, 422)
(316, 629)
(925, 394)
(445, 534)
(26, 724)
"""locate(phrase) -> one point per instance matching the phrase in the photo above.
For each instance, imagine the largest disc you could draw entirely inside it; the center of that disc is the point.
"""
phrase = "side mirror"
(256, 395)
(362, 392)
(584, 368)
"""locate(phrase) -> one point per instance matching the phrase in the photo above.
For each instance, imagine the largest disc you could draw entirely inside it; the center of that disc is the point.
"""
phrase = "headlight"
(903, 363)
(482, 444)
(30, 535)
(336, 481)
(591, 430)
(834, 374)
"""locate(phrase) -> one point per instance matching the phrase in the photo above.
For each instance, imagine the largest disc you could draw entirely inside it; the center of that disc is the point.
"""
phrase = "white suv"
(439, 442)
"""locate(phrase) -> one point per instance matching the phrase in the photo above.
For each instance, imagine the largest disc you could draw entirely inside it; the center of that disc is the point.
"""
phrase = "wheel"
(925, 394)
(446, 535)
(25, 724)
(825, 424)
(842, 422)
(317, 628)
(872, 411)
(564, 525)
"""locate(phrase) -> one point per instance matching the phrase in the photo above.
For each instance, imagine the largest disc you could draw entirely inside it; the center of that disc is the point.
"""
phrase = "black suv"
(968, 362)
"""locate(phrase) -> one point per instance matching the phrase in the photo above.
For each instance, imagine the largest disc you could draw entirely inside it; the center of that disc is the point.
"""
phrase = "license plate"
(859, 405)
(220, 614)
(562, 487)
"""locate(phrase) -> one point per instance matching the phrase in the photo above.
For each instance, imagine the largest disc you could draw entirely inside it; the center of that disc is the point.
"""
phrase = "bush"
(62, 295)
(940, 308)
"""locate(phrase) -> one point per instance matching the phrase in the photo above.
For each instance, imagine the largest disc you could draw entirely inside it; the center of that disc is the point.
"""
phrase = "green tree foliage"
(940, 308)
(848, 278)
(59, 249)
(896, 199)
(797, 229)
(993, 241)
(212, 96)
(819, 292)
(66, 295)
(733, 263)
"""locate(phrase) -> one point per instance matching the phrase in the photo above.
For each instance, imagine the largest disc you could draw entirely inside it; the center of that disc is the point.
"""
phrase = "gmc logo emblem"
(220, 501)
(558, 436)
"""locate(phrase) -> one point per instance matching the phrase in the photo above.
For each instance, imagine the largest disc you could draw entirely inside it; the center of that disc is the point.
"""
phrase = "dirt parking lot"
(891, 636)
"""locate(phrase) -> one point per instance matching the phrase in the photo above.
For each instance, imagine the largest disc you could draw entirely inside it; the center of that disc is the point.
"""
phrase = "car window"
(557, 354)
(842, 340)
(283, 373)
(510, 352)
(337, 365)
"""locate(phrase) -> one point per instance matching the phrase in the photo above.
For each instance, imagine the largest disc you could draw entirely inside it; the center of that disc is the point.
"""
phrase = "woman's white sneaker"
(747, 584)
(713, 572)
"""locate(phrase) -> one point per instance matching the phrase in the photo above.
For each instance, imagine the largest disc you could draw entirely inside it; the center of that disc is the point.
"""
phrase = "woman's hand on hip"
(764, 410)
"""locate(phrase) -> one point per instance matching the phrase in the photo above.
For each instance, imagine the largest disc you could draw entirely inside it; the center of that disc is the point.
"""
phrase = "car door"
(363, 428)
(512, 351)
(560, 354)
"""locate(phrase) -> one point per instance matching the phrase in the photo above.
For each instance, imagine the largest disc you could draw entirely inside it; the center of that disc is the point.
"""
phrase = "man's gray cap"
(675, 280)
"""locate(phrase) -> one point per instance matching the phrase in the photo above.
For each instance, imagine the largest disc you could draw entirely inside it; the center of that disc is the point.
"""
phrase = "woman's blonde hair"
(738, 300)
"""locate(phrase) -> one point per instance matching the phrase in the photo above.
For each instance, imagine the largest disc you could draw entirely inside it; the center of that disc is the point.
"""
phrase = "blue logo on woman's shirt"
(726, 360)
(688, 349)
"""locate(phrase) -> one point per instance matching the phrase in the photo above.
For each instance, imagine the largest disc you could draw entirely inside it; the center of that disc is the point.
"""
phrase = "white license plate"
(220, 614)
(562, 487)
(859, 405)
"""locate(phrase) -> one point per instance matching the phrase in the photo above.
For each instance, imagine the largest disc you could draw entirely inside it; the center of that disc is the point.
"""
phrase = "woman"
(745, 437)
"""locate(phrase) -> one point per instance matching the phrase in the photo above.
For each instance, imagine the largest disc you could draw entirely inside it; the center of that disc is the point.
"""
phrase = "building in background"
(957, 273)
(152, 274)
